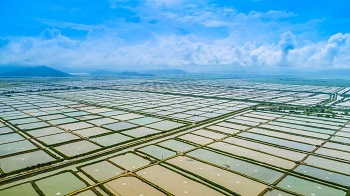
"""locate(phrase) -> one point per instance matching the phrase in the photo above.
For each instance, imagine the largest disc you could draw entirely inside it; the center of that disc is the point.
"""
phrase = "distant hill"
(125, 73)
(40, 71)
(168, 72)
(10, 68)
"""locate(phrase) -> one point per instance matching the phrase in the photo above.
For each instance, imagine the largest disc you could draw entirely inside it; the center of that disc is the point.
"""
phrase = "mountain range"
(39, 71)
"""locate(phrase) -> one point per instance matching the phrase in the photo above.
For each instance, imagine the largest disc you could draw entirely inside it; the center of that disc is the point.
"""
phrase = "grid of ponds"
(276, 153)
(227, 157)
(185, 108)
(38, 130)
(239, 89)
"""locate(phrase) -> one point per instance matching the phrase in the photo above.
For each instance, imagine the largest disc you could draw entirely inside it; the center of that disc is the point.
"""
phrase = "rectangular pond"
(102, 170)
(328, 164)
(176, 145)
(252, 154)
(175, 183)
(157, 152)
(324, 175)
(277, 141)
(255, 171)
(233, 182)
(129, 161)
(111, 139)
(24, 160)
(195, 139)
(306, 187)
(288, 154)
(23, 189)
(131, 186)
(15, 147)
(76, 148)
(60, 184)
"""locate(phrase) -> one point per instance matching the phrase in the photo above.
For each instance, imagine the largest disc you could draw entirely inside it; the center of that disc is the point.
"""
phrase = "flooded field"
(195, 139)
(15, 147)
(237, 165)
(102, 170)
(324, 175)
(131, 186)
(111, 139)
(23, 189)
(121, 140)
(58, 138)
(252, 154)
(176, 145)
(231, 181)
(175, 183)
(157, 152)
(76, 148)
(129, 161)
(24, 160)
(60, 184)
(141, 132)
(306, 187)
(288, 154)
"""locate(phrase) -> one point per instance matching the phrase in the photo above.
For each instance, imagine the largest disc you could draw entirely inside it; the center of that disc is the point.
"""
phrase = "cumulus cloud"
(53, 48)
(275, 14)
(335, 52)
(287, 43)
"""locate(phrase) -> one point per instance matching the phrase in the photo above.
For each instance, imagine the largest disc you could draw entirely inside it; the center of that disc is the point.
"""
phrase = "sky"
(176, 34)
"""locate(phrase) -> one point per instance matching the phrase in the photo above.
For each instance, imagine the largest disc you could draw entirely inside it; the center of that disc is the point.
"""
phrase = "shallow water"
(10, 137)
(23, 189)
(223, 129)
(250, 169)
(337, 146)
(288, 154)
(130, 161)
(140, 132)
(324, 175)
(45, 131)
(58, 138)
(165, 125)
(60, 184)
(277, 141)
(334, 153)
(77, 148)
(231, 181)
(111, 139)
(15, 147)
(174, 182)
(306, 187)
(131, 186)
(328, 164)
(252, 154)
(276, 192)
(102, 170)
(144, 121)
(21, 161)
(195, 139)
(91, 131)
(296, 131)
(288, 136)
(157, 152)
(209, 134)
(176, 145)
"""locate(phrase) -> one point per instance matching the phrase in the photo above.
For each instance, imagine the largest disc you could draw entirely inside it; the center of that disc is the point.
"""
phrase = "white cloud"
(276, 14)
(70, 25)
(53, 48)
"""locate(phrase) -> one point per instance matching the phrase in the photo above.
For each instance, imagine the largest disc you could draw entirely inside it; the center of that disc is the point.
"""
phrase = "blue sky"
(192, 35)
